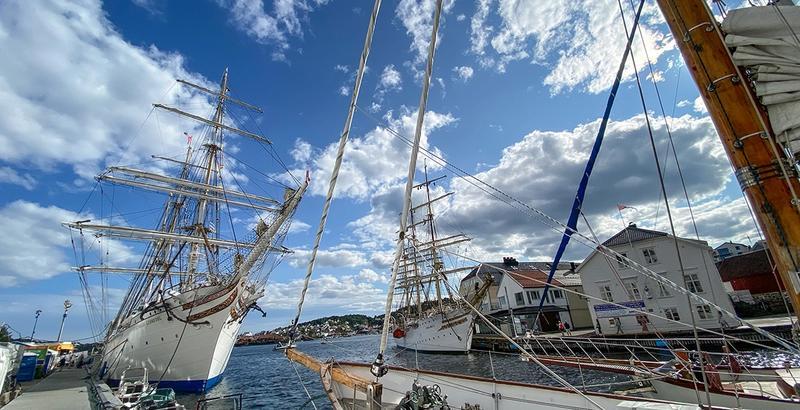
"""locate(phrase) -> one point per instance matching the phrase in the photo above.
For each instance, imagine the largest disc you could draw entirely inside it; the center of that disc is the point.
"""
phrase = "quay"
(67, 389)
(590, 340)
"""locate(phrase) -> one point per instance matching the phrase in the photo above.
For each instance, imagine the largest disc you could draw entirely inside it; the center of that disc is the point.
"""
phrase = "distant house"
(518, 287)
(609, 279)
(728, 249)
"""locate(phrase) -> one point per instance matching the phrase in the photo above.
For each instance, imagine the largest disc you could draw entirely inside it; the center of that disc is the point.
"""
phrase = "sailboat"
(769, 182)
(193, 287)
(430, 323)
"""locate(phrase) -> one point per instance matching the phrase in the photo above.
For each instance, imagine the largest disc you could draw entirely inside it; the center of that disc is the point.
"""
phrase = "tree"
(4, 335)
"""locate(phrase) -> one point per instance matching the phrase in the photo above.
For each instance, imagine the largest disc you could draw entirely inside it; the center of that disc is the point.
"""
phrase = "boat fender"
(399, 333)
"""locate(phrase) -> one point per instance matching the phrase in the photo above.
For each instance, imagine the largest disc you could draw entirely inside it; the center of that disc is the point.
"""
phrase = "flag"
(188, 138)
(621, 207)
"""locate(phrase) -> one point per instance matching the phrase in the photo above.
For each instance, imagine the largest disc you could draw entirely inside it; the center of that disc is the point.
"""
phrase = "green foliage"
(4, 335)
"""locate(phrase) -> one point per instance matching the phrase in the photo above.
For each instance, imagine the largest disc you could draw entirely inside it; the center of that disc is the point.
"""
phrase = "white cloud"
(298, 226)
(378, 158)
(370, 275)
(9, 175)
(579, 42)
(342, 292)
(87, 110)
(417, 18)
(302, 150)
(700, 105)
(39, 246)
(543, 170)
(463, 72)
(339, 257)
(342, 68)
(683, 103)
(390, 80)
(461, 17)
(271, 27)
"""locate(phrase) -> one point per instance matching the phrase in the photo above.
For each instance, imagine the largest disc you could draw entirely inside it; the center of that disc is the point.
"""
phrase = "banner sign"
(631, 308)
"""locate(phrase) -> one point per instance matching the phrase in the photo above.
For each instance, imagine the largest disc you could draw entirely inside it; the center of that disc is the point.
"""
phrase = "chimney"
(510, 261)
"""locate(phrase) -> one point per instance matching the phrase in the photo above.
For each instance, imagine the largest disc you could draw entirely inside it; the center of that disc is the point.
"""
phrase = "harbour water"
(266, 379)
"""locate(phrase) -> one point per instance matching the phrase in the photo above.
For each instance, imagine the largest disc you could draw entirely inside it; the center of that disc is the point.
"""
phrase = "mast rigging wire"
(338, 163)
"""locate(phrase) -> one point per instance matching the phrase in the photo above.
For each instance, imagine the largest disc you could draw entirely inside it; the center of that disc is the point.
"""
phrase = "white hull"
(751, 398)
(449, 334)
(488, 394)
(191, 357)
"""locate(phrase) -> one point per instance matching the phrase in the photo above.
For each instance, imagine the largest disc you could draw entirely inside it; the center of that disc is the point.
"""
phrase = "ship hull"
(186, 346)
(449, 333)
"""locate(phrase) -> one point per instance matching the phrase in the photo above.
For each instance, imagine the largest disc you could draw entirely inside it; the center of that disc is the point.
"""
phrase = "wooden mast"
(746, 134)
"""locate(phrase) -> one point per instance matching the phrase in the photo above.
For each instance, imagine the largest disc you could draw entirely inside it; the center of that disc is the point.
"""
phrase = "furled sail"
(765, 40)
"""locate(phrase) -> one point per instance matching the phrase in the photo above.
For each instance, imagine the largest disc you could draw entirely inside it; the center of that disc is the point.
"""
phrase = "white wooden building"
(611, 280)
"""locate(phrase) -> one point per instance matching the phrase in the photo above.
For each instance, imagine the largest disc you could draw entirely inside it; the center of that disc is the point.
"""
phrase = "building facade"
(609, 280)
(519, 286)
(728, 249)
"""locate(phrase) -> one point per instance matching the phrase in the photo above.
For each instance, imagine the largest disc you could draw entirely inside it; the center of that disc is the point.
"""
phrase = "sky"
(517, 94)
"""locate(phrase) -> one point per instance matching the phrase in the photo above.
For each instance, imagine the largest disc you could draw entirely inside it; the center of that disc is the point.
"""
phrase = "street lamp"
(67, 305)
(35, 321)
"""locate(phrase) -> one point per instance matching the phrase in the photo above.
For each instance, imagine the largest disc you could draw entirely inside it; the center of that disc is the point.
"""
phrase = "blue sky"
(517, 93)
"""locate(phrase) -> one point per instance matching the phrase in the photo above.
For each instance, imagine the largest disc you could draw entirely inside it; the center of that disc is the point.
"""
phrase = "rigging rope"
(338, 163)
(378, 368)
(572, 221)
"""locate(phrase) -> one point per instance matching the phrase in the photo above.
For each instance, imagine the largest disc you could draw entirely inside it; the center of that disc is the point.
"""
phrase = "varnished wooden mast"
(745, 132)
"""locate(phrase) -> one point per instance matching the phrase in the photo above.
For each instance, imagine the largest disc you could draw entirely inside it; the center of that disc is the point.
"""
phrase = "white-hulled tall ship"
(193, 286)
(427, 321)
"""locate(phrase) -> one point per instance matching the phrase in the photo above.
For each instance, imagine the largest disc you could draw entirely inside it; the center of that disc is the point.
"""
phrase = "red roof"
(531, 278)
(744, 265)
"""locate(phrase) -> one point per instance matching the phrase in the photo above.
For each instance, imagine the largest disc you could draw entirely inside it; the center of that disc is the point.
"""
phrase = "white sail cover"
(765, 39)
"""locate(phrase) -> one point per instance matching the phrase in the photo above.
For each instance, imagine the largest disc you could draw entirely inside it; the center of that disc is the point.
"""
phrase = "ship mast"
(768, 181)
(215, 145)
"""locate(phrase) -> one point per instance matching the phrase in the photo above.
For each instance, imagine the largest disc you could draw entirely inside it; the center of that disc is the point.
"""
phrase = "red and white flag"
(188, 138)
(621, 207)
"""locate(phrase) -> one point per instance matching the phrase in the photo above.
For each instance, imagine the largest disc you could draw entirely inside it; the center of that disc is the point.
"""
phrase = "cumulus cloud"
(417, 18)
(464, 73)
(699, 105)
(579, 42)
(39, 247)
(390, 80)
(376, 159)
(347, 292)
(370, 275)
(87, 110)
(274, 26)
(341, 256)
(543, 170)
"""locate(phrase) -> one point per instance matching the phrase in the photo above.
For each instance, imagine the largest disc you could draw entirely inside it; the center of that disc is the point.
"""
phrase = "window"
(672, 313)
(605, 293)
(633, 290)
(650, 255)
(621, 259)
(533, 297)
(502, 300)
(693, 283)
(557, 294)
(704, 312)
(663, 290)
(518, 297)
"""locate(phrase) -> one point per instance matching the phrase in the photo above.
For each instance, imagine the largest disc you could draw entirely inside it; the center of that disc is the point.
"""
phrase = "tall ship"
(197, 277)
(430, 317)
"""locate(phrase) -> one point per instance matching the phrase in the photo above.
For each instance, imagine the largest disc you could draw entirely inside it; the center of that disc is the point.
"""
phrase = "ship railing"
(228, 401)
